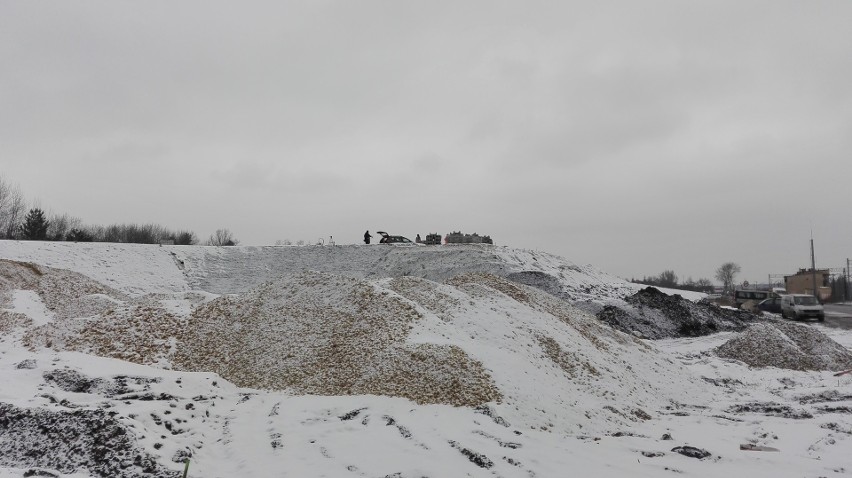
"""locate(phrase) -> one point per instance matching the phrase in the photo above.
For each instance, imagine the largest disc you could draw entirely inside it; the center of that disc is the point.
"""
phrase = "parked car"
(801, 307)
(388, 239)
(770, 305)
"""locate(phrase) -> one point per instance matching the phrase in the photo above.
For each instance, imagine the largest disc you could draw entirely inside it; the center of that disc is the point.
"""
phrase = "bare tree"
(59, 225)
(12, 209)
(704, 284)
(222, 237)
(726, 273)
(668, 279)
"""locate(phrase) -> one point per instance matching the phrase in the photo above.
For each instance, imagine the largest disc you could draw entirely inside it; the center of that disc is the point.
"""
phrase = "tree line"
(19, 221)
(839, 288)
(668, 279)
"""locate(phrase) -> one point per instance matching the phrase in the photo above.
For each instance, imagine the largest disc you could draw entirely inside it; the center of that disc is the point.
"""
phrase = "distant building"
(433, 239)
(802, 282)
(459, 238)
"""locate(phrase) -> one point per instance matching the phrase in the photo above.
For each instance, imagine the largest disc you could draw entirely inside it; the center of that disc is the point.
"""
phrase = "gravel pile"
(539, 280)
(588, 290)
(140, 331)
(651, 314)
(88, 316)
(18, 275)
(314, 333)
(10, 321)
(786, 345)
(319, 333)
(427, 294)
(67, 294)
(484, 285)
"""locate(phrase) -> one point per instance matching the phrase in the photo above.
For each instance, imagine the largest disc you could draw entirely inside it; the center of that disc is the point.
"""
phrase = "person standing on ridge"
(367, 237)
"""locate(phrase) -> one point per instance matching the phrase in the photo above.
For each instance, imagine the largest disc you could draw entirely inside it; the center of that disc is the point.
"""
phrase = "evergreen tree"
(185, 238)
(35, 225)
(79, 235)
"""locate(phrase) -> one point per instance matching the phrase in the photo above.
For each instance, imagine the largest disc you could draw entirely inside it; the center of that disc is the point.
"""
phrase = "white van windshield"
(805, 300)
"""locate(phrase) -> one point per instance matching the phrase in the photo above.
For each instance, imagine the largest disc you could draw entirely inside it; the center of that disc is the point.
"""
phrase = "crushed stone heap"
(66, 294)
(472, 340)
(318, 333)
(788, 346)
(651, 314)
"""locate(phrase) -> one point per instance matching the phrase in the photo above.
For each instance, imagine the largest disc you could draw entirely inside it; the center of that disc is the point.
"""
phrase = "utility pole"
(846, 289)
(813, 267)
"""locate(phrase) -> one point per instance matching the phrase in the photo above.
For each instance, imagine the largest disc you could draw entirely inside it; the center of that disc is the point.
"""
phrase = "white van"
(801, 306)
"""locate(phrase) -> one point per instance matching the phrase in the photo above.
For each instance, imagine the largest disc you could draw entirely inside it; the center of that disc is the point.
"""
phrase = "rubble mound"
(788, 346)
(324, 334)
(652, 314)
(68, 441)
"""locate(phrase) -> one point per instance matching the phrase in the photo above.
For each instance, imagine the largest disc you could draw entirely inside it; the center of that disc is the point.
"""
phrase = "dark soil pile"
(75, 382)
(70, 441)
(651, 314)
(770, 409)
(692, 452)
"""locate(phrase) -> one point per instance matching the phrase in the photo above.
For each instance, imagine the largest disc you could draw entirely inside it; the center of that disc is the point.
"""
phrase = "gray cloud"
(637, 136)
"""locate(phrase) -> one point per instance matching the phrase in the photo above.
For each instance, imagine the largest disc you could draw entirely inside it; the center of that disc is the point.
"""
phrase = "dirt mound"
(652, 314)
(67, 441)
(318, 333)
(786, 345)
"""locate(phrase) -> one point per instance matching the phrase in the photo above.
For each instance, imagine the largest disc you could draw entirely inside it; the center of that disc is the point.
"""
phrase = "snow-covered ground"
(375, 361)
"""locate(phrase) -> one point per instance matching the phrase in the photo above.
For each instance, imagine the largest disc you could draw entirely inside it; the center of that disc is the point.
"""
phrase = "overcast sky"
(637, 136)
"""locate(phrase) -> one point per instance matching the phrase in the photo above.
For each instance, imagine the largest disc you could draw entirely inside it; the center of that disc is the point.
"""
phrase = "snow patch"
(28, 303)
